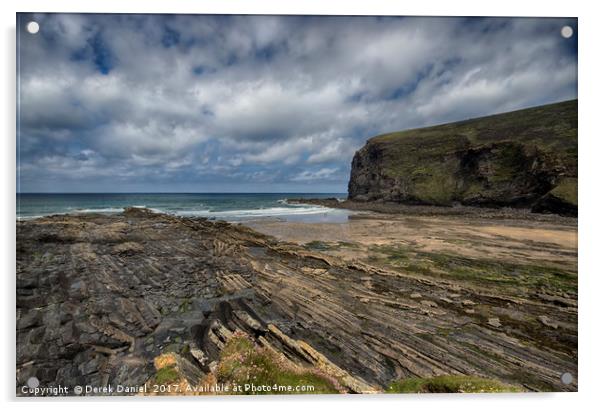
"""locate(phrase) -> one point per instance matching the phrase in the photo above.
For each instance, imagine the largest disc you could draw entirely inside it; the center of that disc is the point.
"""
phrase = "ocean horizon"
(228, 206)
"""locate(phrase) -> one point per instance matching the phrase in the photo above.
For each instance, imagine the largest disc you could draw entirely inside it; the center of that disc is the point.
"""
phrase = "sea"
(232, 207)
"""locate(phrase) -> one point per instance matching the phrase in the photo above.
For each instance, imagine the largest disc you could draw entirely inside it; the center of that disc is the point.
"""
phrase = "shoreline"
(357, 209)
(394, 208)
(317, 213)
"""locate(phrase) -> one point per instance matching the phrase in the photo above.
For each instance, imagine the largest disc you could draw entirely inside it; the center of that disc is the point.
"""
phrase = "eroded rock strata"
(99, 297)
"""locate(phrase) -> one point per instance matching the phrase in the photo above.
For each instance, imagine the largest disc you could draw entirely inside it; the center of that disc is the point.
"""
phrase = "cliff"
(521, 159)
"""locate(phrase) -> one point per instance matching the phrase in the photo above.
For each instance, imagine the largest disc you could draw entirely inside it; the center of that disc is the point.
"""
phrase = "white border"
(590, 69)
(344, 7)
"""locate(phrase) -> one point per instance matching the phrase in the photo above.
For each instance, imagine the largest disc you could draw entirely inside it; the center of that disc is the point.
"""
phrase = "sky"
(210, 103)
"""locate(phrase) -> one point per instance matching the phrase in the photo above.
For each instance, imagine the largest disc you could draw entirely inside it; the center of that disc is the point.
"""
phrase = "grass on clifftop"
(244, 363)
(451, 384)
(551, 127)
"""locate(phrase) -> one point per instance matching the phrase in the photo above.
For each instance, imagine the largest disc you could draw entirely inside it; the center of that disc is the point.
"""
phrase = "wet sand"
(500, 238)
(365, 235)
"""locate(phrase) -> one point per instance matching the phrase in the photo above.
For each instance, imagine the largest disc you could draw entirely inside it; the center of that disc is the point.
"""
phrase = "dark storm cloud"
(194, 103)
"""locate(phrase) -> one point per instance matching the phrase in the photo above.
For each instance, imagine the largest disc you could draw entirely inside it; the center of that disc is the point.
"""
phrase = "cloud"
(162, 100)
(323, 173)
(331, 150)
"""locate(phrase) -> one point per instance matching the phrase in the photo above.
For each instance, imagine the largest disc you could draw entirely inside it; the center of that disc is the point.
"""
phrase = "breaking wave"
(257, 213)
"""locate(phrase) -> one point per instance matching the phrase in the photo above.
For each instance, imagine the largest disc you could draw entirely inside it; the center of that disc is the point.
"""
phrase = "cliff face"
(524, 159)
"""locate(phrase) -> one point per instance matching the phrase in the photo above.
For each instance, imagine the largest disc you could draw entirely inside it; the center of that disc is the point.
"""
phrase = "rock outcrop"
(522, 159)
(99, 297)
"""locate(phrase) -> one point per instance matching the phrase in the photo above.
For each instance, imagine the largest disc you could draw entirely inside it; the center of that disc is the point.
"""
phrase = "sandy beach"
(373, 237)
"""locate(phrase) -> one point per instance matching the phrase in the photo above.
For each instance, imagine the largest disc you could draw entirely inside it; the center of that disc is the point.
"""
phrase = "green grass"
(451, 384)
(566, 190)
(185, 306)
(318, 246)
(438, 186)
(549, 126)
(329, 246)
(166, 375)
(242, 362)
(344, 244)
(510, 163)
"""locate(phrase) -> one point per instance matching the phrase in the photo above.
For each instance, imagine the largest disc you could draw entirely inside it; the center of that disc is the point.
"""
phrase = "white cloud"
(321, 174)
(244, 95)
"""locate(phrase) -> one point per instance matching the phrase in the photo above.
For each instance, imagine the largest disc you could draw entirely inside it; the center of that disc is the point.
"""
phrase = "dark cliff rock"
(522, 159)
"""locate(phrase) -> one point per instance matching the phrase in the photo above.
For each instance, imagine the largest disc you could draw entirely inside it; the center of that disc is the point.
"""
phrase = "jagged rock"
(494, 321)
(191, 373)
(30, 319)
(90, 366)
(317, 359)
(213, 366)
(248, 320)
(548, 322)
(128, 248)
(199, 355)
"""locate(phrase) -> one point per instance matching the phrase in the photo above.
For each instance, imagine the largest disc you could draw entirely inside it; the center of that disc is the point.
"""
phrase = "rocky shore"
(101, 297)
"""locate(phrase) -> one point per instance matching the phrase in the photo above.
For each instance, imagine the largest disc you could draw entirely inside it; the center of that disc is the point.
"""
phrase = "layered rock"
(523, 159)
(99, 297)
